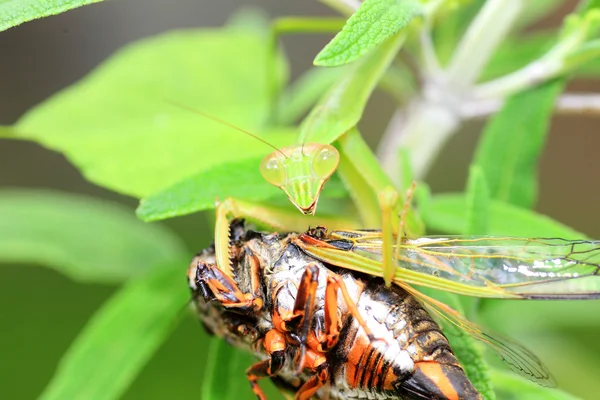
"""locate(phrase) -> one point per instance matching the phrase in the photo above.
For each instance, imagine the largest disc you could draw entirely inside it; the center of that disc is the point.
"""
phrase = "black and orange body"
(325, 332)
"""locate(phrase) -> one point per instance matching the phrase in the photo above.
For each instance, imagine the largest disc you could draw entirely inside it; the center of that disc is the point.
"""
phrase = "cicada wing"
(495, 266)
(520, 359)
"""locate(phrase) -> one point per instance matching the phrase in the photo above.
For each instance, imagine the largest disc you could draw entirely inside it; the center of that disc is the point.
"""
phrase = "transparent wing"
(475, 266)
(516, 356)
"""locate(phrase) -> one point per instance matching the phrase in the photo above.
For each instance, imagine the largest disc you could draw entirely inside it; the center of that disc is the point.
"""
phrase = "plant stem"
(425, 124)
(567, 104)
(423, 131)
(486, 32)
(308, 25)
(530, 75)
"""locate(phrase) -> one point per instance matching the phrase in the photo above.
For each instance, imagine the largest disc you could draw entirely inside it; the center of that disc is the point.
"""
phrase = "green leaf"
(118, 129)
(513, 387)
(478, 202)
(225, 372)
(304, 93)
(374, 22)
(585, 58)
(241, 180)
(587, 5)
(5, 131)
(342, 106)
(83, 238)
(15, 12)
(446, 213)
(512, 142)
(121, 337)
(199, 192)
(516, 52)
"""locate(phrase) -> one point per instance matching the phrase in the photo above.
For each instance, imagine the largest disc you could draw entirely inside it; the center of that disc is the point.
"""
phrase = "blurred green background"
(43, 311)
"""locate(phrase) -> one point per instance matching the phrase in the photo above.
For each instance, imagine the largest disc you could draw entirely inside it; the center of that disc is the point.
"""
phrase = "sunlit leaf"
(15, 12)
(241, 180)
(478, 202)
(84, 238)
(226, 372)
(373, 22)
(305, 92)
(446, 213)
(513, 387)
(516, 52)
(512, 142)
(342, 106)
(117, 127)
(121, 337)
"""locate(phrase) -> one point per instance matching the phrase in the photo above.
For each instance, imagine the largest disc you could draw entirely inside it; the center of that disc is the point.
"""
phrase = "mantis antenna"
(300, 170)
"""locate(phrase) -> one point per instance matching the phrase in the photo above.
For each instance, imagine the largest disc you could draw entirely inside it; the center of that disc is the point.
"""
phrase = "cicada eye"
(326, 161)
(273, 170)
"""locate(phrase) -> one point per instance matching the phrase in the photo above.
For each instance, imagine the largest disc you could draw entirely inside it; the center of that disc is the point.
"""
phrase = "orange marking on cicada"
(312, 241)
(315, 361)
(433, 370)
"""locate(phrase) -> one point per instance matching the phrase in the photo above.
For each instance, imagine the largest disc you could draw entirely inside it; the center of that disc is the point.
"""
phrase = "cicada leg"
(316, 362)
(275, 345)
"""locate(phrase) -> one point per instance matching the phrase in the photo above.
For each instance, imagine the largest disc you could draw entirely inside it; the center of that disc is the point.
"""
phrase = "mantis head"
(301, 171)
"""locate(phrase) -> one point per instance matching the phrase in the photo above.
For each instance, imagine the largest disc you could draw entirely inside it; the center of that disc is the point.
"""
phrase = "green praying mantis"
(301, 172)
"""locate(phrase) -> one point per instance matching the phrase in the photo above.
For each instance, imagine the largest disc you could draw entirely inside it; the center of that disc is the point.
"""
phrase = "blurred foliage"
(120, 128)
(15, 12)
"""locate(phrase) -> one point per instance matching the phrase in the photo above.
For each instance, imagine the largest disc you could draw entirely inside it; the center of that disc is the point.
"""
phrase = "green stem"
(486, 32)
(422, 130)
(425, 125)
(308, 25)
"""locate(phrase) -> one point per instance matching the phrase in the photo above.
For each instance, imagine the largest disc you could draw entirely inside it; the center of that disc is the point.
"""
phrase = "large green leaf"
(446, 213)
(199, 192)
(121, 337)
(119, 129)
(513, 387)
(304, 93)
(373, 22)
(512, 143)
(226, 378)
(342, 106)
(478, 201)
(15, 12)
(517, 51)
(83, 238)
(241, 180)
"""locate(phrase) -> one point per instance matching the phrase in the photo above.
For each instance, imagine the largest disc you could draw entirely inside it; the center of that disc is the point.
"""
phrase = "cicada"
(319, 329)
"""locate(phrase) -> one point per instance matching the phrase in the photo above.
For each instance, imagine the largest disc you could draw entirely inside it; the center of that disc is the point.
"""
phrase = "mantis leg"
(282, 220)
(388, 201)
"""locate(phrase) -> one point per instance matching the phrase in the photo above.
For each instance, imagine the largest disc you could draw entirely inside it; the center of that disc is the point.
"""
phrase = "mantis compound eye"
(273, 170)
(326, 161)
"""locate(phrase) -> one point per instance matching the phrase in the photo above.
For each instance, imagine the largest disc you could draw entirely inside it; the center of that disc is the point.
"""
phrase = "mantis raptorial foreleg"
(388, 201)
(278, 219)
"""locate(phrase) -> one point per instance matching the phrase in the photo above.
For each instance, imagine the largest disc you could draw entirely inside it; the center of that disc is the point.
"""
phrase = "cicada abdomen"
(323, 331)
